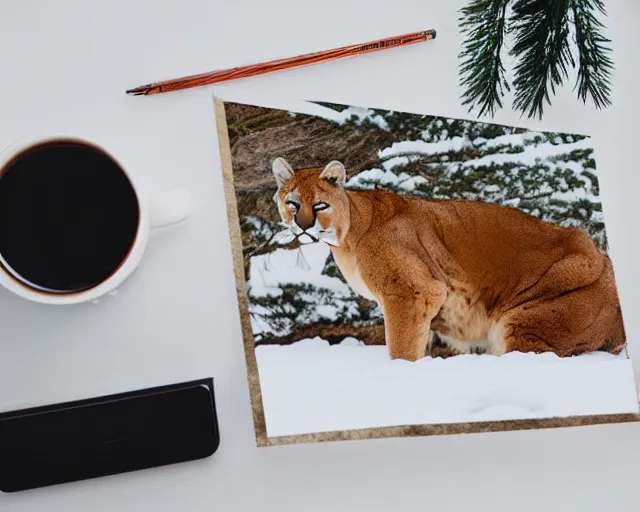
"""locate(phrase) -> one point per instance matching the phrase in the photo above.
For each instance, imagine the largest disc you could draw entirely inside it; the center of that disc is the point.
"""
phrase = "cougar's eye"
(292, 204)
(320, 206)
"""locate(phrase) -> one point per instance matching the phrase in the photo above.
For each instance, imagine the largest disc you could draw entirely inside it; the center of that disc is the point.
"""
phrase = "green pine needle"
(595, 65)
(543, 48)
(542, 45)
(483, 22)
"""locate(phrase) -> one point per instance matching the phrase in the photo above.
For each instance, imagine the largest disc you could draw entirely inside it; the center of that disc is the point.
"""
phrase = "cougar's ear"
(282, 171)
(335, 173)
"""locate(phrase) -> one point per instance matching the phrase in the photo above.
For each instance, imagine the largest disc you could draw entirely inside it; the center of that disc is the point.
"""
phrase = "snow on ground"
(310, 386)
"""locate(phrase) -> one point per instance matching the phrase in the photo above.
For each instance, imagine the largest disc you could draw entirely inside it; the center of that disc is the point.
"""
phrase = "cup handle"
(170, 207)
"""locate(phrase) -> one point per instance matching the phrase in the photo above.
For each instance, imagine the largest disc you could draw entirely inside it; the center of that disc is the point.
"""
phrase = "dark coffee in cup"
(68, 216)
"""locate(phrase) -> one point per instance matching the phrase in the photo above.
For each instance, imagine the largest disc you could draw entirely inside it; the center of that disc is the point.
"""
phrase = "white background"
(64, 65)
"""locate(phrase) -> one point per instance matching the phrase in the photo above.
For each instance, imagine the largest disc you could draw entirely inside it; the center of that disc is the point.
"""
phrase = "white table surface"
(65, 65)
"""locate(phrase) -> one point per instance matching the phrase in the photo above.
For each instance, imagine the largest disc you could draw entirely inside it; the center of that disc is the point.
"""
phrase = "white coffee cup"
(156, 209)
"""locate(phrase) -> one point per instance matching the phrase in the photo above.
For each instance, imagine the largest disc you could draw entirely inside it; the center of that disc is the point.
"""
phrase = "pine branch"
(482, 71)
(595, 65)
(542, 45)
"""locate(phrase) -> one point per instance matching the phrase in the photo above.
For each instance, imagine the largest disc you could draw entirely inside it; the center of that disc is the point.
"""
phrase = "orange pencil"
(214, 77)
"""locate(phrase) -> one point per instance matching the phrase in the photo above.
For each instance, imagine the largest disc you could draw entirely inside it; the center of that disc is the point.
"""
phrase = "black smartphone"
(107, 435)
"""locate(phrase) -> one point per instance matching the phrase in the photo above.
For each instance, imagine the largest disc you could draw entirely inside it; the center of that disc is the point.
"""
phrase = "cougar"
(484, 277)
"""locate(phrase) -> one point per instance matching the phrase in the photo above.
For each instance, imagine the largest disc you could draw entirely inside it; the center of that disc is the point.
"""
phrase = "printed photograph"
(404, 274)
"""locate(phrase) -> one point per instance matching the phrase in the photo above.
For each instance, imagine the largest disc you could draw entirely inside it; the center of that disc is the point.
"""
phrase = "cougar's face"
(313, 202)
